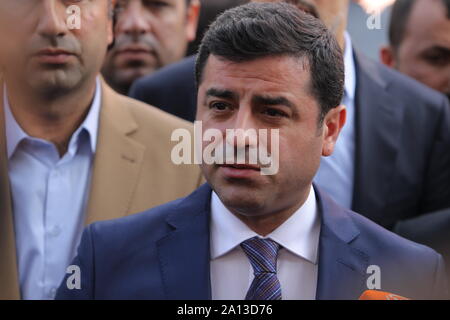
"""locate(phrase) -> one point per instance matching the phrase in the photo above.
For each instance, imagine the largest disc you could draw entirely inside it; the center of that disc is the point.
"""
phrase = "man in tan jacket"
(72, 151)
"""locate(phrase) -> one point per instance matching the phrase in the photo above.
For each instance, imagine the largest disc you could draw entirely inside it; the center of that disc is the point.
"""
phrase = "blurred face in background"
(43, 52)
(333, 13)
(149, 34)
(424, 52)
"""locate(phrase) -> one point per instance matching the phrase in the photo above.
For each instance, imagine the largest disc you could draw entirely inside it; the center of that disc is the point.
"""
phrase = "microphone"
(380, 295)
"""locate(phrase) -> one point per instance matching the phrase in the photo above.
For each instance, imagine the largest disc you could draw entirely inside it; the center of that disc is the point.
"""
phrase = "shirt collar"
(15, 134)
(350, 70)
(299, 234)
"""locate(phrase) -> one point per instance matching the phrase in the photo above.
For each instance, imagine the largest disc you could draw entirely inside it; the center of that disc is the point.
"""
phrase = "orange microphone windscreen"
(380, 295)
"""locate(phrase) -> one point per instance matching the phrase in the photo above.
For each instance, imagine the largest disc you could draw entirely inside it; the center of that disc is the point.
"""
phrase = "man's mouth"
(241, 167)
(239, 171)
(54, 56)
(135, 52)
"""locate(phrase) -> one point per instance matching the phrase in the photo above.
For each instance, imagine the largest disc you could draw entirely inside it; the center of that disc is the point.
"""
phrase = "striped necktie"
(263, 254)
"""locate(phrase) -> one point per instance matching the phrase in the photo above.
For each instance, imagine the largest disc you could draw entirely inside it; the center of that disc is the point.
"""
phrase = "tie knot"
(262, 254)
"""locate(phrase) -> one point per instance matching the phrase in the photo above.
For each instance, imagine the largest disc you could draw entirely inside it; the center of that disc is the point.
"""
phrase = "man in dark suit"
(392, 161)
(253, 233)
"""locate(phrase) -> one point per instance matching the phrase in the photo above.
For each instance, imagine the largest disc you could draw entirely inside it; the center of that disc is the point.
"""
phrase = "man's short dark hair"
(258, 30)
(400, 14)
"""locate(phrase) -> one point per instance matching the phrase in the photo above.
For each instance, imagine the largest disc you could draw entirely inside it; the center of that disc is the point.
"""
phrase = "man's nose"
(52, 19)
(132, 20)
(243, 130)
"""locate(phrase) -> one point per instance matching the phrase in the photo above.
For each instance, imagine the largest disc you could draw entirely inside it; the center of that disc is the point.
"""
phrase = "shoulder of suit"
(427, 226)
(406, 87)
(373, 236)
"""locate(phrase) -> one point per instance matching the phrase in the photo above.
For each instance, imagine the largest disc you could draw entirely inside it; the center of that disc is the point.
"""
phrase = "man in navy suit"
(251, 233)
(392, 161)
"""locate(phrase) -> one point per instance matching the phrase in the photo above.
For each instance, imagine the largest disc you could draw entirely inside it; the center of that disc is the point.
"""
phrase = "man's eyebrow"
(274, 101)
(439, 49)
(221, 93)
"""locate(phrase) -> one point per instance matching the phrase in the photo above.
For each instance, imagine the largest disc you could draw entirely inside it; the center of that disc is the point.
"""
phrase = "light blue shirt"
(49, 200)
(336, 173)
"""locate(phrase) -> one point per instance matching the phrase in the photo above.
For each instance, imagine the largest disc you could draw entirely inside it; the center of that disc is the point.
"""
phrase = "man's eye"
(275, 113)
(219, 106)
(121, 5)
(438, 59)
(156, 4)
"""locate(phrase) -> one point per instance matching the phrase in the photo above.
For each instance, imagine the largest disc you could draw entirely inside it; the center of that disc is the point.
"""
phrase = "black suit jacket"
(402, 146)
(402, 160)
(171, 89)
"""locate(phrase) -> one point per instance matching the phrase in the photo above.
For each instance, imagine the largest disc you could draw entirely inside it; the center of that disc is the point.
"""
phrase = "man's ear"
(332, 125)
(193, 14)
(387, 56)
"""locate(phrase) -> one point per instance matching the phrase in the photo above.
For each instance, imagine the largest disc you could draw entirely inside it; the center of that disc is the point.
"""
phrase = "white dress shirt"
(336, 173)
(49, 196)
(297, 264)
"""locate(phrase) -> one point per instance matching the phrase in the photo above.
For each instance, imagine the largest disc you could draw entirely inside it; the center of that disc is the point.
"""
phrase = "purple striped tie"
(263, 254)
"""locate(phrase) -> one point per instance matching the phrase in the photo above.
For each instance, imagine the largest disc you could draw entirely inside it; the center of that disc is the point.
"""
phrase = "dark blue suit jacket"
(164, 253)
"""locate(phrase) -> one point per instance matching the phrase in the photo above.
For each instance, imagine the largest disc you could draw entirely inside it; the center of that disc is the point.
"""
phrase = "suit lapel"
(117, 163)
(9, 279)
(342, 268)
(378, 127)
(184, 253)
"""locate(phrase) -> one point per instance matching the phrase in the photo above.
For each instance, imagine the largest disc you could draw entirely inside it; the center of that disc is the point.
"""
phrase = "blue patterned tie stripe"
(263, 254)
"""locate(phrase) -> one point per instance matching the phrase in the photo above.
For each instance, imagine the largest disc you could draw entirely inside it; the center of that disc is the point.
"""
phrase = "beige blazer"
(132, 172)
